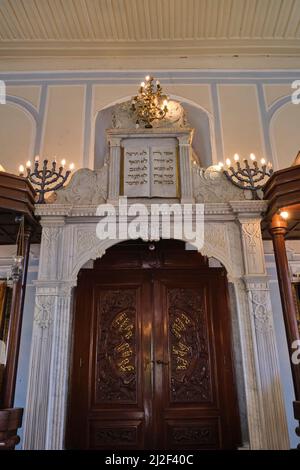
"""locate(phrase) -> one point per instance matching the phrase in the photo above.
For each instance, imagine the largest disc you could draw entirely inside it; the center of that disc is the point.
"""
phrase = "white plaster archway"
(232, 235)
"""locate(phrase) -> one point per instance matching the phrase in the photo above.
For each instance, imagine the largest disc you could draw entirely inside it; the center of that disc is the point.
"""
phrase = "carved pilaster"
(252, 245)
(50, 247)
(186, 180)
(263, 335)
(49, 365)
(268, 364)
(254, 402)
(114, 169)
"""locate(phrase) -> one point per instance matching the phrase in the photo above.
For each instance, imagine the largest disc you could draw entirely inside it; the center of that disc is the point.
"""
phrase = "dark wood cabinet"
(152, 365)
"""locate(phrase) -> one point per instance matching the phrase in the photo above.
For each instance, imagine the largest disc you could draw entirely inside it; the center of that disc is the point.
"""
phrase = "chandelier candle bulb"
(263, 161)
(236, 157)
(228, 161)
(71, 166)
(284, 214)
(21, 170)
(28, 164)
(36, 158)
(63, 162)
(252, 157)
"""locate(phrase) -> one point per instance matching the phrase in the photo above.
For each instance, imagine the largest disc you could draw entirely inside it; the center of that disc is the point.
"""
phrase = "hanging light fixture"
(150, 104)
(16, 269)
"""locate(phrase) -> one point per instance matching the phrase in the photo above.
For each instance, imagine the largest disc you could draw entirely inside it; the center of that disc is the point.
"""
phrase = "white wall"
(54, 113)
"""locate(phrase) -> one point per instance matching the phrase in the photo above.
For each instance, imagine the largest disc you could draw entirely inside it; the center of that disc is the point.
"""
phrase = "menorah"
(46, 179)
(249, 177)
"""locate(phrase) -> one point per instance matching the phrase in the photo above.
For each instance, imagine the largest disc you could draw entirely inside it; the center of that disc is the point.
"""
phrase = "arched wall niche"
(198, 117)
(17, 132)
(284, 132)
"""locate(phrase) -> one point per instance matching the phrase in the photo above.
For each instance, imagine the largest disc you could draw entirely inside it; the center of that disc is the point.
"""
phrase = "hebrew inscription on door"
(116, 347)
(190, 375)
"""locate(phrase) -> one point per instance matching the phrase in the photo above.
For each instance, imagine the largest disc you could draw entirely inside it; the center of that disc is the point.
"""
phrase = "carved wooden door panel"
(110, 402)
(152, 364)
(195, 400)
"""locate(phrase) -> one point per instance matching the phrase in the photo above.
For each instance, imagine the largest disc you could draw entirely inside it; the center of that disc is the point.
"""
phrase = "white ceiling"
(110, 28)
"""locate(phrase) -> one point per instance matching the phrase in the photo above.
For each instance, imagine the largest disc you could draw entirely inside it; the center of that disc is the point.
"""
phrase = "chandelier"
(150, 104)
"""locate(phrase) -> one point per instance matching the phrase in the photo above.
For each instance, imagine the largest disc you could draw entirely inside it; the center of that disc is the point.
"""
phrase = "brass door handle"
(162, 363)
(158, 362)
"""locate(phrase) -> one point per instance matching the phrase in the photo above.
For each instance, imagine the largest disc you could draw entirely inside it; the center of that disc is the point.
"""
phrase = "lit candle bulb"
(228, 161)
(263, 161)
(147, 78)
(284, 214)
(63, 162)
(252, 157)
(236, 157)
(21, 170)
(142, 84)
(36, 158)
(269, 165)
(28, 164)
(71, 166)
(165, 103)
(221, 164)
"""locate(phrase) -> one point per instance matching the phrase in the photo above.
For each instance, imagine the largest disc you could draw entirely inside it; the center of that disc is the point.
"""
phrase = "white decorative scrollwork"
(252, 235)
(260, 300)
(43, 314)
(86, 187)
(211, 185)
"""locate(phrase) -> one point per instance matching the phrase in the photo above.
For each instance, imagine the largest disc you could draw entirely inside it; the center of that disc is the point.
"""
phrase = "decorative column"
(46, 407)
(264, 340)
(186, 182)
(114, 169)
(252, 382)
(278, 229)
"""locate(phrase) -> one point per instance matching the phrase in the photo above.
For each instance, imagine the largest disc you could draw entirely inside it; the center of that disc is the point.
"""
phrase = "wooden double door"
(152, 366)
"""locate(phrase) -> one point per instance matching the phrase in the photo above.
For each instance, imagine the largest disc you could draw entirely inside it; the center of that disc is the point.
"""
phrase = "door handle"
(158, 362)
(162, 363)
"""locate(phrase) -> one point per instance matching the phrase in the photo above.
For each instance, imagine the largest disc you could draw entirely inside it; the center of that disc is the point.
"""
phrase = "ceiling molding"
(44, 63)
(175, 48)
(160, 30)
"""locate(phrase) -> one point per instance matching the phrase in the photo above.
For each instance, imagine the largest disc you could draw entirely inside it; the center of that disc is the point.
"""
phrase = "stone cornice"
(248, 208)
(233, 208)
(154, 132)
